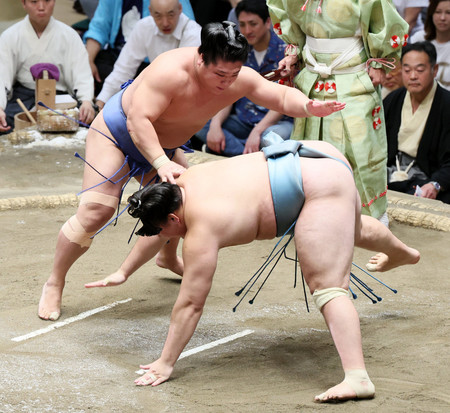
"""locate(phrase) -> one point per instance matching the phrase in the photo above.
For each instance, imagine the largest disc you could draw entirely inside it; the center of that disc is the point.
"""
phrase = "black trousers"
(409, 187)
(27, 96)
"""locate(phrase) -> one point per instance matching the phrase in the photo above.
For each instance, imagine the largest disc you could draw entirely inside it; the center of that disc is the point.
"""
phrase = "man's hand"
(287, 65)
(169, 171)
(158, 372)
(429, 191)
(215, 139)
(87, 112)
(112, 280)
(377, 76)
(253, 142)
(100, 104)
(321, 109)
(3, 125)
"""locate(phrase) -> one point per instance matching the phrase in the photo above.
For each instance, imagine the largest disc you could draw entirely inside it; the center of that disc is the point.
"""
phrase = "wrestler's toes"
(371, 266)
(53, 316)
(326, 398)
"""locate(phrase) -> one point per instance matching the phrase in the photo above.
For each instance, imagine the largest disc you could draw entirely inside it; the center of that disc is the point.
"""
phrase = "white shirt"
(443, 58)
(147, 41)
(401, 5)
(413, 124)
(59, 44)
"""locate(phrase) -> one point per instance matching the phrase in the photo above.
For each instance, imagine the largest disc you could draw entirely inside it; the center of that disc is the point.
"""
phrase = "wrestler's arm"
(151, 97)
(200, 253)
(283, 99)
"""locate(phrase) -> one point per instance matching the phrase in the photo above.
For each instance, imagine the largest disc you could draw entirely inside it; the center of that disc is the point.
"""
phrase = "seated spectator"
(437, 31)
(109, 29)
(238, 128)
(167, 28)
(411, 10)
(392, 80)
(39, 38)
(418, 128)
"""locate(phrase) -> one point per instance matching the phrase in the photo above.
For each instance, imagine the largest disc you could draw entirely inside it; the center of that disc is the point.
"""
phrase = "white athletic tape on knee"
(360, 382)
(75, 232)
(321, 297)
(99, 198)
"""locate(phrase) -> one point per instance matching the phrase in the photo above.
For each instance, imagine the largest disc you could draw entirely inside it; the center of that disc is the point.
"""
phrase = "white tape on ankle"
(360, 382)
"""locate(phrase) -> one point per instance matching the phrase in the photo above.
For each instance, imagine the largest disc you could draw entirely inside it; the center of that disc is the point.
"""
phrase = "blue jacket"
(247, 111)
(105, 24)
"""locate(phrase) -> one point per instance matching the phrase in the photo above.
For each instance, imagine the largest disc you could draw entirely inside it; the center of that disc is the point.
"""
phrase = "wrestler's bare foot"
(50, 302)
(356, 385)
(175, 265)
(340, 392)
(382, 262)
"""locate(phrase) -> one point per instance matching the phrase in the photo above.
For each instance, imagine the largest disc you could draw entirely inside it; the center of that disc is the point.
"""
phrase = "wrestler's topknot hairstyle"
(221, 41)
(152, 205)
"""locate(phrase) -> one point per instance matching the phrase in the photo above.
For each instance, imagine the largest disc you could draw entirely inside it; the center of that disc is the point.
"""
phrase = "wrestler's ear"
(173, 218)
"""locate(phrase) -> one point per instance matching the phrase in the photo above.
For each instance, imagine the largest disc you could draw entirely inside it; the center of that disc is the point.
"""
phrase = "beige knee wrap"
(73, 229)
(99, 198)
(321, 297)
(76, 233)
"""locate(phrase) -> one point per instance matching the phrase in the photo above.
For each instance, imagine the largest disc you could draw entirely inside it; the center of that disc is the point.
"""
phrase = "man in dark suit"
(418, 128)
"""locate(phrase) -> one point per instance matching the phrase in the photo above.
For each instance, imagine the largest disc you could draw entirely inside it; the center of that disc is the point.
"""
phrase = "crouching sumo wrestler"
(255, 197)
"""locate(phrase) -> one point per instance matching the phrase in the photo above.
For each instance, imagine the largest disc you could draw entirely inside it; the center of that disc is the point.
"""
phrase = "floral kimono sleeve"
(383, 30)
(284, 25)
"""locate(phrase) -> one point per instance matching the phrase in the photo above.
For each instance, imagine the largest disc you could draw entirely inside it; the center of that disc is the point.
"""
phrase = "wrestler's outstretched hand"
(157, 372)
(321, 109)
(112, 280)
(169, 171)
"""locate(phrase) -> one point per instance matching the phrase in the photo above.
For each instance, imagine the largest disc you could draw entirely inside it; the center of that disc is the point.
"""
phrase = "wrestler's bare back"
(231, 197)
(235, 200)
(177, 97)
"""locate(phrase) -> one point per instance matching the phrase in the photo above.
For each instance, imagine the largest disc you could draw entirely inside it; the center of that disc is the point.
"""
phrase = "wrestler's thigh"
(180, 158)
(325, 230)
(107, 159)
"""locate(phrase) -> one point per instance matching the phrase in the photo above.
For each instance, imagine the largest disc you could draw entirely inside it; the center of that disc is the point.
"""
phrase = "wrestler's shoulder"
(176, 58)
(176, 63)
